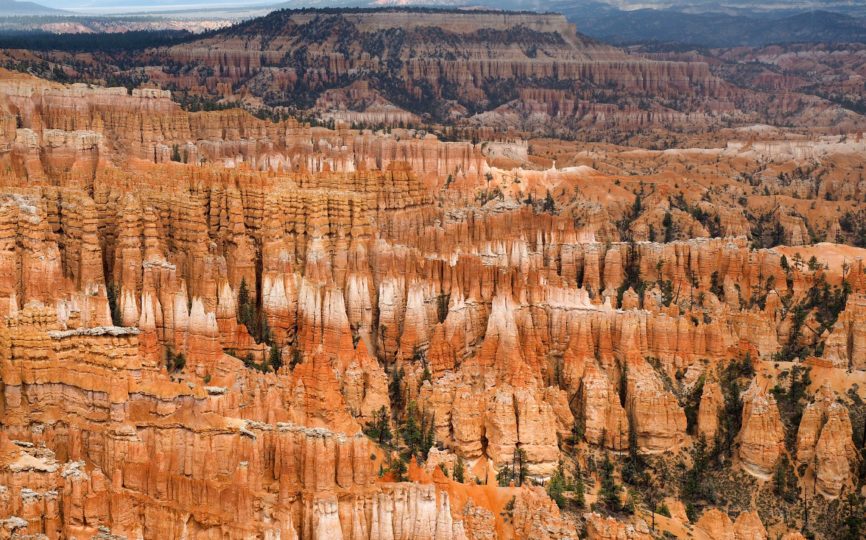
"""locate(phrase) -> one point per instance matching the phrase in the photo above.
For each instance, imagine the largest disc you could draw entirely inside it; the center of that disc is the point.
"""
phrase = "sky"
(126, 6)
(121, 6)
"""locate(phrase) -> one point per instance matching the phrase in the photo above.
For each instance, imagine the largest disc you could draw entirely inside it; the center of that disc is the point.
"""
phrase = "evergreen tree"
(549, 204)
(275, 358)
(398, 468)
(380, 428)
(852, 518)
(695, 487)
(246, 309)
(668, 224)
(113, 305)
(556, 487)
(395, 389)
(609, 493)
(504, 476)
(579, 489)
(521, 470)
(418, 432)
(459, 470)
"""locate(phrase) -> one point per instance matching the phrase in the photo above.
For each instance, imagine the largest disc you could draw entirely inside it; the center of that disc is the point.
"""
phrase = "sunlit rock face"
(218, 326)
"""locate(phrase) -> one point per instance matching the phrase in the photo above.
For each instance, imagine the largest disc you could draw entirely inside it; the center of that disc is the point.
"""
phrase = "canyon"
(474, 72)
(221, 324)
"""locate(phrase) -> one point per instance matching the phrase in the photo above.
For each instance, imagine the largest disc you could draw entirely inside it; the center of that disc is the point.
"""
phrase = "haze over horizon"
(156, 6)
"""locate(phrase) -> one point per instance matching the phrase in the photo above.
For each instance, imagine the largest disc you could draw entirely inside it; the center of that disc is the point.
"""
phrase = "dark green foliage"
(520, 466)
(854, 227)
(716, 285)
(397, 467)
(556, 487)
(515, 472)
(175, 153)
(380, 428)
(174, 362)
(826, 303)
(608, 495)
(800, 381)
(696, 486)
(766, 231)
(249, 315)
(297, 358)
(730, 416)
(692, 404)
(792, 402)
(549, 205)
(634, 469)
(579, 488)
(578, 429)
(418, 432)
(114, 307)
(37, 40)
(667, 288)
(504, 476)
(459, 470)
(785, 481)
(632, 275)
(275, 358)
(669, 228)
(395, 389)
(624, 225)
(692, 512)
(851, 518)
(442, 307)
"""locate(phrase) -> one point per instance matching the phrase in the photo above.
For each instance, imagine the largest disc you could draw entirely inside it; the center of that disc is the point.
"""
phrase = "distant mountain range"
(702, 23)
(710, 29)
(11, 8)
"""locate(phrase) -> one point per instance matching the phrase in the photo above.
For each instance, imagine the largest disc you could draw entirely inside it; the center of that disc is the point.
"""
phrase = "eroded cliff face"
(358, 66)
(55, 132)
(196, 350)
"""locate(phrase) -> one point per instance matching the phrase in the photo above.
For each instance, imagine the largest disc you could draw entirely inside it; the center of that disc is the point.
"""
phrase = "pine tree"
(556, 487)
(245, 312)
(459, 470)
(395, 389)
(609, 492)
(668, 224)
(113, 305)
(380, 428)
(275, 358)
(520, 467)
(504, 476)
(549, 204)
(579, 489)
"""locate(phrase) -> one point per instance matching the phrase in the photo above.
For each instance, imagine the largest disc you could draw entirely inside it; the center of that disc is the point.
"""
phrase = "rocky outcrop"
(716, 524)
(458, 58)
(824, 443)
(607, 528)
(198, 349)
(762, 434)
(712, 402)
(748, 526)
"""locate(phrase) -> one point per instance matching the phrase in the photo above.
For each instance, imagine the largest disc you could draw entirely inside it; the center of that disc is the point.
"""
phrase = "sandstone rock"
(716, 524)
(824, 441)
(762, 434)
